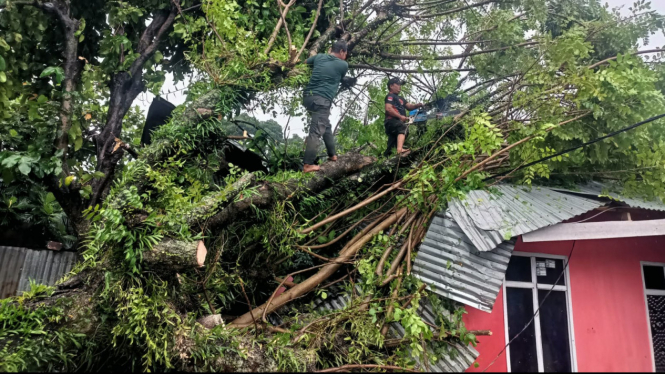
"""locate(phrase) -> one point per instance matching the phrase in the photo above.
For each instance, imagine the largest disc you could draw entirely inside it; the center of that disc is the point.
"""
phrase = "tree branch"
(634, 54)
(455, 10)
(273, 37)
(450, 57)
(311, 31)
(411, 71)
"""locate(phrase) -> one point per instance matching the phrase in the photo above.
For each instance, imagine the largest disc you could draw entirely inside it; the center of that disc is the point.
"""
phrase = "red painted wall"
(609, 311)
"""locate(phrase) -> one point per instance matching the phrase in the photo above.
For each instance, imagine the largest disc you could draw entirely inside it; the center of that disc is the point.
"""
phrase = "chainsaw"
(436, 109)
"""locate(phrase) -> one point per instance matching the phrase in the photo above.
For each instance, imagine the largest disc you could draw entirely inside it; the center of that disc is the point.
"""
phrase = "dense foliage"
(533, 77)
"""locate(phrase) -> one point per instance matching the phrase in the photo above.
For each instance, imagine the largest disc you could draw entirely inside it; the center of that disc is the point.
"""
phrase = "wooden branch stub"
(211, 321)
(204, 112)
(175, 255)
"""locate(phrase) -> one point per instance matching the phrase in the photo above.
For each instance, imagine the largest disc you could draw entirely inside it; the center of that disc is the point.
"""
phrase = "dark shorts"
(395, 127)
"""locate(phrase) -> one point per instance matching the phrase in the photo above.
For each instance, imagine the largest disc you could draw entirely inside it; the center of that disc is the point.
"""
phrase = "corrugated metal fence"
(19, 265)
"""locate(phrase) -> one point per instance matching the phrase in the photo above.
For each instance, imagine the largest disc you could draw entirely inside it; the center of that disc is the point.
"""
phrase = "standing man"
(396, 119)
(328, 71)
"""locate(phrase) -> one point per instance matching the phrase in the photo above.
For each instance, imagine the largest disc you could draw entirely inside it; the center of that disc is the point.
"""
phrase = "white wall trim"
(646, 307)
(596, 230)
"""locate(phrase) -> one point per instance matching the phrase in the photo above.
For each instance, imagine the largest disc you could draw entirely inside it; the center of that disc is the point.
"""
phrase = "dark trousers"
(393, 127)
(318, 108)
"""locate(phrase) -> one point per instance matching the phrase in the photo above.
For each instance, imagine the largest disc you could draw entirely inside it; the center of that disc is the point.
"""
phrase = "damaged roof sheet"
(458, 358)
(597, 189)
(451, 265)
(489, 218)
(466, 251)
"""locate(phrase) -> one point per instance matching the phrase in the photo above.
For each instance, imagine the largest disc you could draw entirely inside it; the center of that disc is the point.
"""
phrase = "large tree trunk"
(269, 193)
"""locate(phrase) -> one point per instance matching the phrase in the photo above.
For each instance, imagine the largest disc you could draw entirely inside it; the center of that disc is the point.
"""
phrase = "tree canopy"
(532, 77)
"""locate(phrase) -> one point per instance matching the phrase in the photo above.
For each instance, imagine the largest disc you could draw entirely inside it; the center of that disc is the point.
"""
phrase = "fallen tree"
(358, 222)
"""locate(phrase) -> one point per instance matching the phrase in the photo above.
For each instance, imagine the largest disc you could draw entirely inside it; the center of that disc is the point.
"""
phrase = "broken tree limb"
(391, 306)
(386, 253)
(352, 209)
(326, 272)
(269, 193)
(176, 255)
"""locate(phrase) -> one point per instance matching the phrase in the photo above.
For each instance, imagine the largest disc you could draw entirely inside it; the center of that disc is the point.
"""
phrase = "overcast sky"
(174, 93)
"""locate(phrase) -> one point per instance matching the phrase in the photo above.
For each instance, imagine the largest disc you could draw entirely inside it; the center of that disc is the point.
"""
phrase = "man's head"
(339, 49)
(395, 85)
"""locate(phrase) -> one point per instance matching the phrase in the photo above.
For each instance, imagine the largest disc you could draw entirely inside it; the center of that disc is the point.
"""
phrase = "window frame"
(646, 305)
(534, 286)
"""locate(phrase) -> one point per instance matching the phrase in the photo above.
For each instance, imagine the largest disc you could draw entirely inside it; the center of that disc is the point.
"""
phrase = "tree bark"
(269, 193)
(125, 87)
(175, 255)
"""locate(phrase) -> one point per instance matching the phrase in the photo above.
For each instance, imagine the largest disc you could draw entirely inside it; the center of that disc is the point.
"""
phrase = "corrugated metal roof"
(11, 262)
(19, 265)
(457, 359)
(450, 264)
(596, 189)
(488, 218)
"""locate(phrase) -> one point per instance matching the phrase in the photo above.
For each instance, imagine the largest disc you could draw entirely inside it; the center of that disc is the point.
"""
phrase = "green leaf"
(69, 180)
(11, 161)
(42, 99)
(13, 133)
(3, 64)
(49, 198)
(47, 72)
(78, 143)
(24, 168)
(3, 77)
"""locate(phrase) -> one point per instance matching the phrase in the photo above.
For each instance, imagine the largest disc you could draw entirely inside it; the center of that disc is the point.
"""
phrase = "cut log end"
(172, 255)
(201, 253)
(211, 321)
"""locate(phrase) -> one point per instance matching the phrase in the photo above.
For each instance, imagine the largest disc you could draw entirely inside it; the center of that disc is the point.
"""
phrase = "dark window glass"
(554, 332)
(523, 356)
(519, 269)
(551, 274)
(654, 278)
(657, 320)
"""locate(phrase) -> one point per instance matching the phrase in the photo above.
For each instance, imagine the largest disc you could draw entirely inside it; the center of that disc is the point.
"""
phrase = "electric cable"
(578, 147)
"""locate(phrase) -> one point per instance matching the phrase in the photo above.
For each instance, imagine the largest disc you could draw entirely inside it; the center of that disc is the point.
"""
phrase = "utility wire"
(537, 310)
(579, 146)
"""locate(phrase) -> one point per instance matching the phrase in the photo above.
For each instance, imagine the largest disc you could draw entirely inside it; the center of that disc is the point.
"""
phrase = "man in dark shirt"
(327, 72)
(396, 119)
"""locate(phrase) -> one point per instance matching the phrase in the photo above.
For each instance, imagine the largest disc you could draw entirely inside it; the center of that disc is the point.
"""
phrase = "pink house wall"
(609, 311)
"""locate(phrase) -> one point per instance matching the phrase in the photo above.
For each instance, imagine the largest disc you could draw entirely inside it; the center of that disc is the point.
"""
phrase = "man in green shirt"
(327, 72)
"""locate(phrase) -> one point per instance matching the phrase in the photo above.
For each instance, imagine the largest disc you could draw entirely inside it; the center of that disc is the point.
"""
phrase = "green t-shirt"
(327, 72)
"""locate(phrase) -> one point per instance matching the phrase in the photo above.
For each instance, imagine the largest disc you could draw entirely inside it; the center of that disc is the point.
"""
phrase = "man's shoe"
(310, 168)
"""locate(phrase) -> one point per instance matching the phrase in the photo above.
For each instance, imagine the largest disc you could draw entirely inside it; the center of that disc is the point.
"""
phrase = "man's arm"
(410, 106)
(390, 109)
(310, 60)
